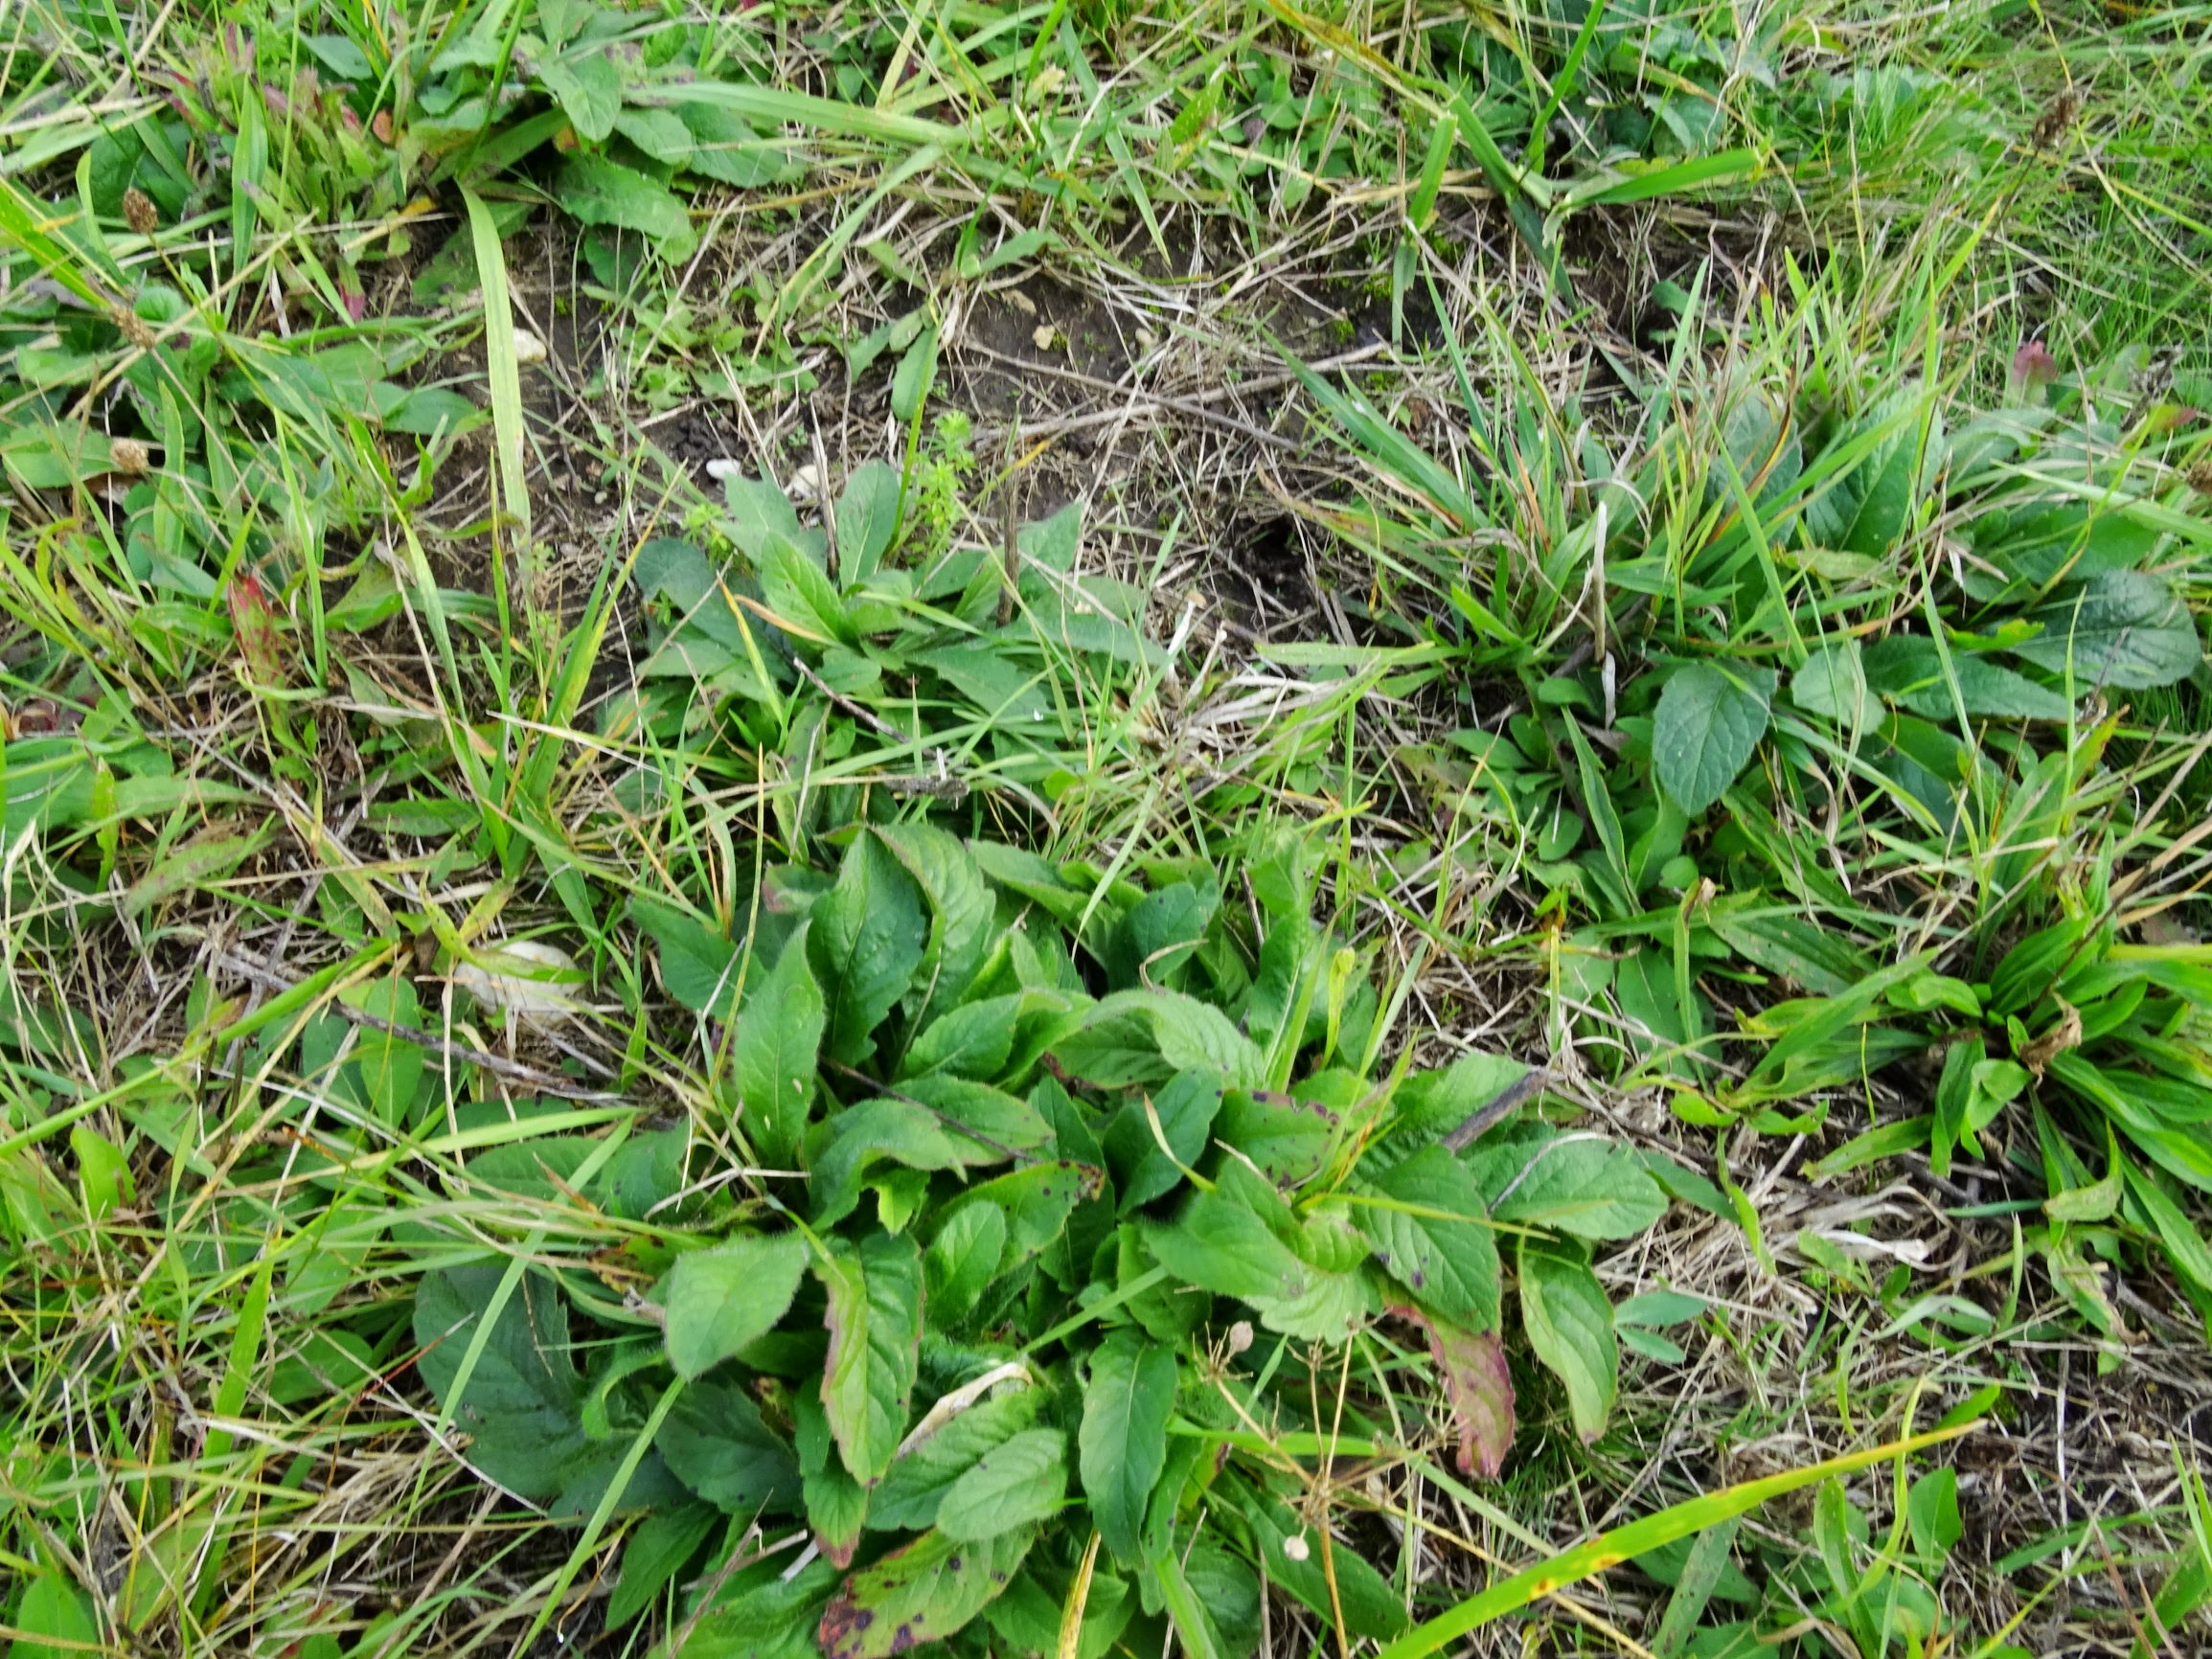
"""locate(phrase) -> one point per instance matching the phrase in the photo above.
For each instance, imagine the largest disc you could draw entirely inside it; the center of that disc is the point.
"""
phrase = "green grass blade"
(1729, 166)
(1610, 1549)
(501, 364)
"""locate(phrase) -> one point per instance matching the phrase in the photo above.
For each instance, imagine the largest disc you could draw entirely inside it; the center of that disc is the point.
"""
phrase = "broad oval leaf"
(1193, 1035)
(1286, 1135)
(1016, 1483)
(599, 191)
(836, 1503)
(2041, 542)
(2123, 628)
(962, 1261)
(697, 962)
(767, 1612)
(716, 1301)
(1574, 1183)
(907, 1498)
(522, 1400)
(53, 1619)
(726, 147)
(867, 520)
(1144, 1168)
(1431, 1232)
(714, 1440)
(800, 593)
(1034, 1201)
(972, 1041)
(866, 943)
(1709, 720)
(906, 1133)
(1833, 685)
(1910, 671)
(1241, 1239)
(1869, 505)
(960, 912)
(588, 88)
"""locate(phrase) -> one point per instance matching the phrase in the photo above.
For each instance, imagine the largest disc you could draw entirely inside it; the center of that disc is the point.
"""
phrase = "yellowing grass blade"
(1610, 1549)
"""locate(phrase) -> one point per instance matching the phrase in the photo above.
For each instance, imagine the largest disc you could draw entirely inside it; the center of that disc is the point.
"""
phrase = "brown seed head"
(135, 328)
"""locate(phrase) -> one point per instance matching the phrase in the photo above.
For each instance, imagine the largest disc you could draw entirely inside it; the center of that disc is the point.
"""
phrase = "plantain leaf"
(1124, 1442)
(875, 1324)
(1570, 1326)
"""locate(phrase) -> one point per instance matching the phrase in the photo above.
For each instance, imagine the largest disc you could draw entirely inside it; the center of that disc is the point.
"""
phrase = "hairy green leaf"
(522, 1404)
(1144, 1168)
(698, 964)
(963, 1260)
(1574, 1183)
(714, 1440)
(800, 593)
(867, 520)
(600, 191)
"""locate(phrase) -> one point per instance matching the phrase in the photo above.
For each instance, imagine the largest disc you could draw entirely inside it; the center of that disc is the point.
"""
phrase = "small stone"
(1043, 334)
(528, 347)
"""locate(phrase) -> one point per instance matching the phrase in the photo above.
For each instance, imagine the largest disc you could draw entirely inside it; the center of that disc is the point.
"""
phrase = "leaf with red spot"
(920, 1594)
(1476, 1385)
(254, 621)
(2033, 368)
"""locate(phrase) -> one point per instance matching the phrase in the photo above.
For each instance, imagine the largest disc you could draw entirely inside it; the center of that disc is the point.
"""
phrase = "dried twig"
(1486, 1116)
(515, 1071)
